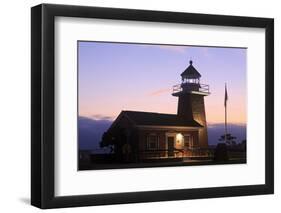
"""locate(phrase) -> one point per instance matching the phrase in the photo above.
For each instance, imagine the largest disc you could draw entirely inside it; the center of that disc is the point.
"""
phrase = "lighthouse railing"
(202, 88)
(177, 88)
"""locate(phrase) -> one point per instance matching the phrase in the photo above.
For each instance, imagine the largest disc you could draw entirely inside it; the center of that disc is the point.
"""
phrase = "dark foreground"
(221, 154)
(158, 163)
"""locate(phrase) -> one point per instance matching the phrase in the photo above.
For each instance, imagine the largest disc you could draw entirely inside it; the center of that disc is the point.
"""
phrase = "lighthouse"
(139, 135)
(191, 105)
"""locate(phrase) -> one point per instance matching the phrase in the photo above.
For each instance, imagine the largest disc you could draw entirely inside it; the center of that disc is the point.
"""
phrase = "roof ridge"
(147, 112)
(156, 118)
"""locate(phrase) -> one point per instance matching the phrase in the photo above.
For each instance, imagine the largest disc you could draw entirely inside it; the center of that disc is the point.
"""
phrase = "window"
(187, 141)
(152, 142)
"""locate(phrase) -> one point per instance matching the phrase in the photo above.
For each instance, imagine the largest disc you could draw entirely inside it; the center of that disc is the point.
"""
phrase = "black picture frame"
(43, 102)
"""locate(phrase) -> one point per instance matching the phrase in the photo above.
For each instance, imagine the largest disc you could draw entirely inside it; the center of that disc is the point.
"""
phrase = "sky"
(119, 76)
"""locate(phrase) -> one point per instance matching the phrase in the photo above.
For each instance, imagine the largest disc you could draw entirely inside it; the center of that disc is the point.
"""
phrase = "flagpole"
(225, 114)
(225, 123)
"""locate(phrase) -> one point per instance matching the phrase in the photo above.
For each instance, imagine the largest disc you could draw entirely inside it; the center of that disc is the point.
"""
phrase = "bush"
(221, 153)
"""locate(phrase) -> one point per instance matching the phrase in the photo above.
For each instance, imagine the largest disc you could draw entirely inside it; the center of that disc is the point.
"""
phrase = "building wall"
(192, 106)
(199, 115)
(143, 149)
(161, 151)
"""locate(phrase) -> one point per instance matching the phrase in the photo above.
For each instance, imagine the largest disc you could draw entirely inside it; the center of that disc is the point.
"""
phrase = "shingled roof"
(158, 119)
(190, 72)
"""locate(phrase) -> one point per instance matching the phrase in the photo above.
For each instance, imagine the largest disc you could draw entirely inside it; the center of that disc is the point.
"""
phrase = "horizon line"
(109, 118)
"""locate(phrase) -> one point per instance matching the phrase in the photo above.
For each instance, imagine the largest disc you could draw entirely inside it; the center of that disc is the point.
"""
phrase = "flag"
(225, 96)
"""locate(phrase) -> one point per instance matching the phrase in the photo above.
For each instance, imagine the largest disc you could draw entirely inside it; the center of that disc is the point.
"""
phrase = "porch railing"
(175, 153)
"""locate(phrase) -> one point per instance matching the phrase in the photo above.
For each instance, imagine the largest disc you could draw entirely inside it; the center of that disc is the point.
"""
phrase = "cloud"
(101, 117)
(160, 92)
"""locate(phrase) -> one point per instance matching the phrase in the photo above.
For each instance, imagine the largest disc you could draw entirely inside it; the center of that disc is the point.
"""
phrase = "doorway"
(171, 148)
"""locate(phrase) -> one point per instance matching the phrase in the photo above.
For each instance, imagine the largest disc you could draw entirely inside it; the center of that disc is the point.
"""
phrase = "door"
(171, 146)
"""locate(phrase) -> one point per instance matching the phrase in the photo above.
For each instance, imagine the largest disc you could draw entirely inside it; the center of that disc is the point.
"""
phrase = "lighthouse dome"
(190, 72)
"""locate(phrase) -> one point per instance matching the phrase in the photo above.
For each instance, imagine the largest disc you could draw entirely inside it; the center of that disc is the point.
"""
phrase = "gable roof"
(158, 119)
(190, 72)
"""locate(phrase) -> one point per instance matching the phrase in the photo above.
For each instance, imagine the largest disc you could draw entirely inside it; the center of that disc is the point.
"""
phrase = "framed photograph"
(139, 106)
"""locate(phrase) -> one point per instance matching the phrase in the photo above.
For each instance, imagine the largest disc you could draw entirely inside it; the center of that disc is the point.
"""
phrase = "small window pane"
(186, 140)
(152, 142)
